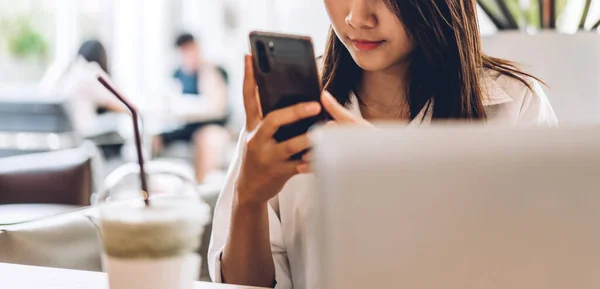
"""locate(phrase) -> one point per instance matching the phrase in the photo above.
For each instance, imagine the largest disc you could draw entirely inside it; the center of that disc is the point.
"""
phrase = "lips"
(366, 45)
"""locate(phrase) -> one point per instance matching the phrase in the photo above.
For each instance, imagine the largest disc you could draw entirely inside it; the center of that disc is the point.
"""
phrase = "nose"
(361, 15)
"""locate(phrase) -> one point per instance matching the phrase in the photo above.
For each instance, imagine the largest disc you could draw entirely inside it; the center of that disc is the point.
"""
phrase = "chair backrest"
(69, 240)
(56, 177)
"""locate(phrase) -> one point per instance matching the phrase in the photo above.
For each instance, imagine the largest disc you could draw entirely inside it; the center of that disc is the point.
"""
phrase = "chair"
(56, 177)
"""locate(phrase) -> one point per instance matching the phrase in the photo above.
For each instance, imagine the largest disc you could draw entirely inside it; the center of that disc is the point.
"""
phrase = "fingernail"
(328, 96)
(303, 168)
(313, 108)
(307, 157)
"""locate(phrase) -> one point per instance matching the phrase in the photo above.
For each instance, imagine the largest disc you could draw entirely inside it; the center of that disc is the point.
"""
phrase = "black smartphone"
(285, 70)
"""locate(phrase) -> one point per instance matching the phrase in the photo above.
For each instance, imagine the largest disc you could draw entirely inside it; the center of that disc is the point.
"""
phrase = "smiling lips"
(366, 45)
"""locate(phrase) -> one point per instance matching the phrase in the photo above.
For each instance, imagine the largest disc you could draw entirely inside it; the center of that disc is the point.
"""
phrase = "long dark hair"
(93, 51)
(445, 65)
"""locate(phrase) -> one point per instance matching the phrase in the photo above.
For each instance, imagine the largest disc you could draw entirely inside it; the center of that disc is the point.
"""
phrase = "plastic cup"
(152, 247)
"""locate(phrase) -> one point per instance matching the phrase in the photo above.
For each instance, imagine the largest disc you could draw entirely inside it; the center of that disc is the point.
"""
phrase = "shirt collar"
(493, 92)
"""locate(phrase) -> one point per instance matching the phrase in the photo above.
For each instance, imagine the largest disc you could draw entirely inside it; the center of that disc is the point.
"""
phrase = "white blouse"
(508, 102)
(77, 82)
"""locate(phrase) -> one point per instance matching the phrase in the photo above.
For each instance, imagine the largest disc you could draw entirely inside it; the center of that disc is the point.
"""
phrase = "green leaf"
(22, 39)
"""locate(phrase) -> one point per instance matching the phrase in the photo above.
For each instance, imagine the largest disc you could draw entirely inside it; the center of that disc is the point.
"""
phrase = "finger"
(251, 101)
(304, 168)
(292, 146)
(336, 110)
(288, 115)
(307, 157)
(290, 169)
(330, 123)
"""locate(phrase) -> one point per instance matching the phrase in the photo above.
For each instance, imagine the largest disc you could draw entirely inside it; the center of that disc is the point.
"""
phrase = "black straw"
(138, 137)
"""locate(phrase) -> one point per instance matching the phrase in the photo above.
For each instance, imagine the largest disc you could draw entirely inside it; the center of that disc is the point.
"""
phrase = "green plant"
(22, 39)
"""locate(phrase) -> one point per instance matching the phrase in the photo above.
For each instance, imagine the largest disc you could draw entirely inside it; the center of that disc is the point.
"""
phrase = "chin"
(371, 62)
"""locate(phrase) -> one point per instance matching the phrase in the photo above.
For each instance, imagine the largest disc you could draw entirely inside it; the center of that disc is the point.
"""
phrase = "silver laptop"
(457, 208)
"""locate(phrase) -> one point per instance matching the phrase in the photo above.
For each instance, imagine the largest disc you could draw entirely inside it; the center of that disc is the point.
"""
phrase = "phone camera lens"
(263, 59)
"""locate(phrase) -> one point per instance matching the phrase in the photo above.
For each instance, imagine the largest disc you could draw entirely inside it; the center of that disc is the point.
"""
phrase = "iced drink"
(152, 247)
(151, 244)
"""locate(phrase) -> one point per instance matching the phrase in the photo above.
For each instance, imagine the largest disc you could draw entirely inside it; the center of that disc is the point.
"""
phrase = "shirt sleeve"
(536, 108)
(221, 224)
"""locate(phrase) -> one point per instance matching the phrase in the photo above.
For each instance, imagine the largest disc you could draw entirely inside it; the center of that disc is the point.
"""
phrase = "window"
(27, 38)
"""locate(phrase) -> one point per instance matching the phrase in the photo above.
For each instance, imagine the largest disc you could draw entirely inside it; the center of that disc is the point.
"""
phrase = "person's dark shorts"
(186, 132)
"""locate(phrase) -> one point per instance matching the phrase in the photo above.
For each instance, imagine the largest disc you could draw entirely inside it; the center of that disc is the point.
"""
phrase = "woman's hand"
(340, 115)
(265, 165)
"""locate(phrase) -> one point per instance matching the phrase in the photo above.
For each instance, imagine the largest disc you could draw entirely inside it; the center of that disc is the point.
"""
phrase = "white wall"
(156, 50)
(126, 38)
(66, 30)
(251, 15)
(142, 46)
(204, 19)
(307, 17)
(569, 64)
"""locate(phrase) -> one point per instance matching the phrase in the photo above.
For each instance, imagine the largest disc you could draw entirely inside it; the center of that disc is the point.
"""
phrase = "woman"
(412, 61)
(77, 81)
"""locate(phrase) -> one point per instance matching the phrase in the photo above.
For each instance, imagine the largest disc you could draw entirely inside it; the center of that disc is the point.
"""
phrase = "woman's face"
(371, 32)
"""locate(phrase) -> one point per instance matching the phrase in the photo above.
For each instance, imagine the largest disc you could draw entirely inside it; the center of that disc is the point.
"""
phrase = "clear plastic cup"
(152, 247)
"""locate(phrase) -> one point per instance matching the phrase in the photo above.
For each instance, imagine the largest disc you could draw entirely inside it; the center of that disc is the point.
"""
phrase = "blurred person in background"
(201, 103)
(76, 79)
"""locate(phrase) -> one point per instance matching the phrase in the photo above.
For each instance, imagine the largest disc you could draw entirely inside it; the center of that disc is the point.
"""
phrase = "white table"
(30, 277)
